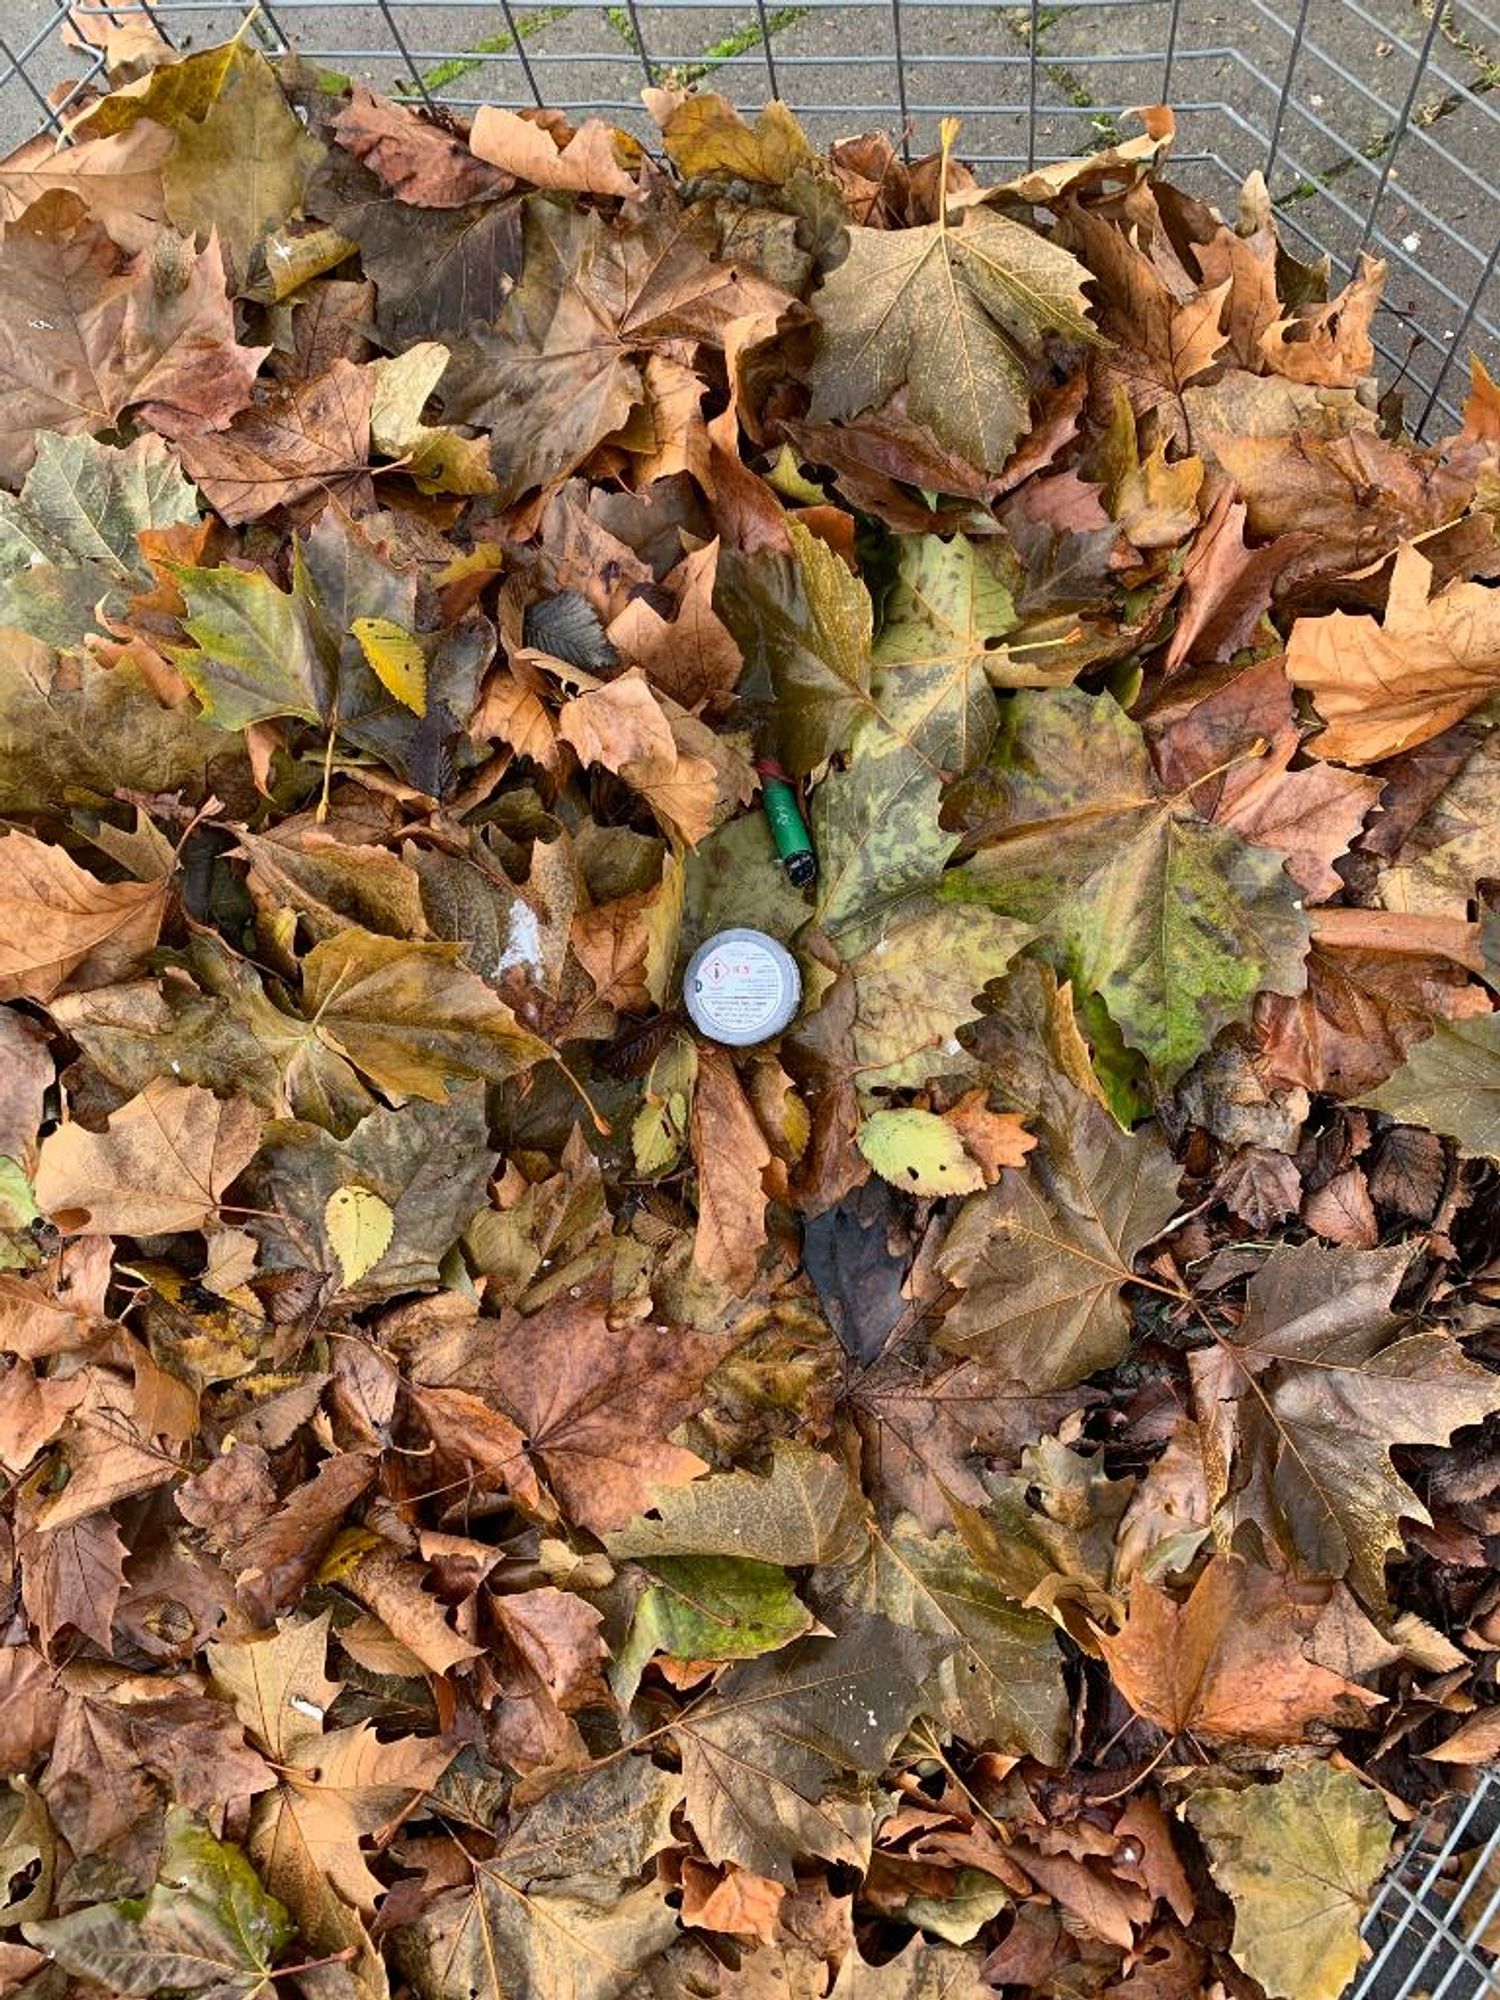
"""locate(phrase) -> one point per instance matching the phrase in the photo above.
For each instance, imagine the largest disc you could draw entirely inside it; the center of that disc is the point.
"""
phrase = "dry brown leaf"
(731, 1154)
(1385, 687)
(1234, 1664)
(61, 926)
(160, 1164)
(587, 162)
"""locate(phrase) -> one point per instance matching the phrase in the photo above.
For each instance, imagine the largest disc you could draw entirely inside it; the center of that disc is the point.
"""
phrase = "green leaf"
(359, 1227)
(256, 656)
(762, 1756)
(959, 1916)
(809, 620)
(411, 1016)
(1175, 923)
(1298, 1860)
(708, 1608)
(1001, 1681)
(207, 1927)
(804, 1513)
(1042, 1255)
(918, 1152)
(243, 167)
(955, 311)
(85, 502)
(917, 977)
(950, 608)
(1450, 1082)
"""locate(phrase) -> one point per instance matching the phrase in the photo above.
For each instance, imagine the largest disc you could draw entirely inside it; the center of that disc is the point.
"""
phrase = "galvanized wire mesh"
(1375, 122)
(1433, 1928)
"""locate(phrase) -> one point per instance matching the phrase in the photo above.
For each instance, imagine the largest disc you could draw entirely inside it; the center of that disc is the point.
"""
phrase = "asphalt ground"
(1320, 110)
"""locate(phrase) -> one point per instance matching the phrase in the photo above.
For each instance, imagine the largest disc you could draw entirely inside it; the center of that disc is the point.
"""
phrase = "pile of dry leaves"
(508, 1498)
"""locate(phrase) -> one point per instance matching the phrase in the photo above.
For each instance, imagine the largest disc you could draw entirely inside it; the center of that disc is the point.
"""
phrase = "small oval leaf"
(396, 659)
(920, 1152)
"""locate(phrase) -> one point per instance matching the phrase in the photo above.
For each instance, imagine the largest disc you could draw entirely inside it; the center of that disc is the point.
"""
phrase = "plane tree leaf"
(1298, 1860)
(1302, 1403)
(411, 1016)
(114, 341)
(1451, 1082)
(767, 1760)
(1175, 923)
(951, 311)
(808, 619)
(1001, 1681)
(1042, 1256)
(207, 1926)
(256, 654)
(802, 1512)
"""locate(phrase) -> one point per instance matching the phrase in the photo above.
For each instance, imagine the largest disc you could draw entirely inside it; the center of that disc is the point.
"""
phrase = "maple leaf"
(550, 1911)
(1230, 1665)
(762, 1756)
(1041, 1257)
(1298, 1859)
(207, 1926)
(114, 342)
(1175, 923)
(161, 1162)
(952, 310)
(1302, 1403)
(596, 1404)
(60, 925)
(1385, 688)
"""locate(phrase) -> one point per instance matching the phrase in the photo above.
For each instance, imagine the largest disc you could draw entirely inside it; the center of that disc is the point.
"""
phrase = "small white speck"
(176, 1067)
(953, 1046)
(41, 326)
(1296, 902)
(546, 1264)
(874, 1718)
(575, 1291)
(1316, 100)
(305, 1707)
(1412, 242)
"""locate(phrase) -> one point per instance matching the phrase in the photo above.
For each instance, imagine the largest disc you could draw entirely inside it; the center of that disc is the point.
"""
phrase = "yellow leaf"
(359, 1226)
(396, 659)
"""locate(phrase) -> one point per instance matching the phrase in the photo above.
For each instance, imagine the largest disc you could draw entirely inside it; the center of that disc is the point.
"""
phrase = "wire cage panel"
(1375, 121)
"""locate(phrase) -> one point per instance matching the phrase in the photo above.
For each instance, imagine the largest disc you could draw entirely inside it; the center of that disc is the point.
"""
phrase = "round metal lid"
(741, 987)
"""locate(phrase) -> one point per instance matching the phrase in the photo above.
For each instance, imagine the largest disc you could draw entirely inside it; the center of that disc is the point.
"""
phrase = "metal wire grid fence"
(1436, 1905)
(1375, 122)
